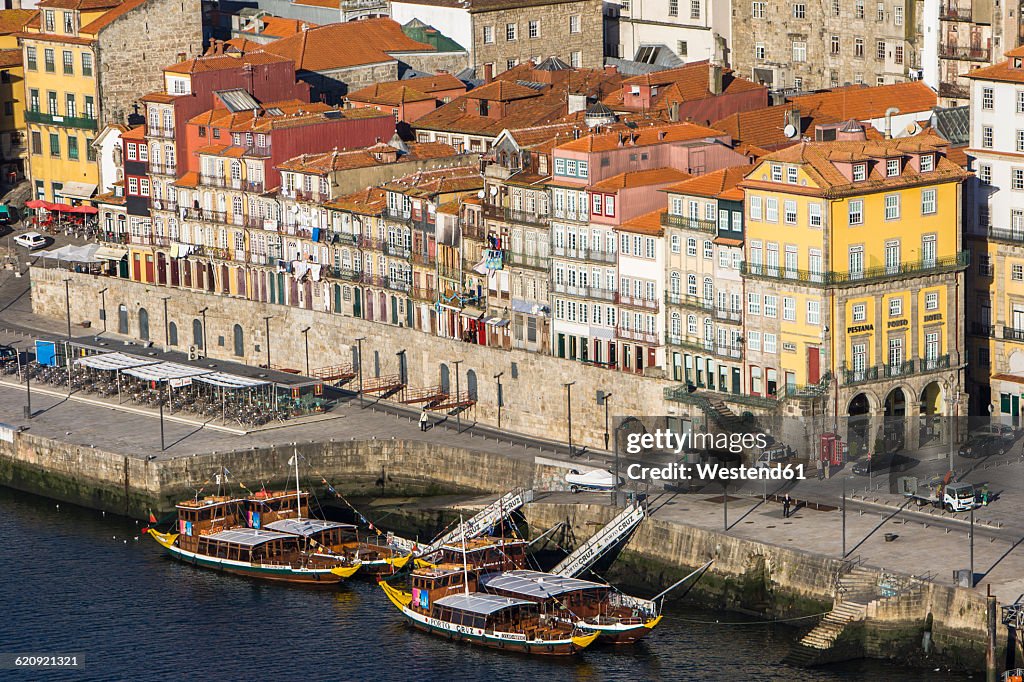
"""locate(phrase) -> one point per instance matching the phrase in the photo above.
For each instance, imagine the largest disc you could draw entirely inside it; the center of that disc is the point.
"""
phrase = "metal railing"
(979, 329)
(514, 215)
(586, 292)
(449, 272)
(160, 131)
(206, 215)
(397, 250)
(883, 272)
(163, 168)
(965, 52)
(688, 223)
(424, 293)
(1011, 334)
(902, 369)
(636, 335)
(596, 255)
(82, 122)
(636, 302)
(725, 350)
(527, 260)
(1004, 235)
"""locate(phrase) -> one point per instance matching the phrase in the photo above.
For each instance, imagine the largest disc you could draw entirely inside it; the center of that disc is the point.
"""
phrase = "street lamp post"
(403, 372)
(67, 302)
(305, 339)
(568, 403)
(203, 313)
(28, 387)
(500, 397)
(266, 319)
(359, 361)
(844, 518)
(605, 401)
(458, 412)
(163, 399)
(167, 326)
(972, 547)
(103, 308)
(950, 400)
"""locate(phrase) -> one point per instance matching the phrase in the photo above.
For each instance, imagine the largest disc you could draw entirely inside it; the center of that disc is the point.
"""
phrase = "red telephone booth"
(832, 449)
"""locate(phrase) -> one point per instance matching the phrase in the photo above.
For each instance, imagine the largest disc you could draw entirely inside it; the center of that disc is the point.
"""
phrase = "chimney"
(715, 79)
(620, 139)
(488, 73)
(610, 69)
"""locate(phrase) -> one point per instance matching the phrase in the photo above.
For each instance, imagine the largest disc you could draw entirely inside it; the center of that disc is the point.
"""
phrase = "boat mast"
(465, 567)
(298, 495)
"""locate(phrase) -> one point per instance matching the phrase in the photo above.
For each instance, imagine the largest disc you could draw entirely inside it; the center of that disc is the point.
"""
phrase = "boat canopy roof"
(248, 537)
(536, 584)
(305, 527)
(480, 603)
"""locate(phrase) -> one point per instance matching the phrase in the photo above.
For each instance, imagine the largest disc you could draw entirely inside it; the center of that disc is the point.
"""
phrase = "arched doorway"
(143, 324)
(471, 384)
(197, 333)
(239, 339)
(895, 419)
(858, 424)
(931, 411)
(172, 334)
(394, 310)
(446, 380)
(122, 319)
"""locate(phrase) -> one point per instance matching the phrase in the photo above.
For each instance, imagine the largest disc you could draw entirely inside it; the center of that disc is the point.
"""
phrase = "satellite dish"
(913, 128)
(480, 194)
(494, 190)
(790, 131)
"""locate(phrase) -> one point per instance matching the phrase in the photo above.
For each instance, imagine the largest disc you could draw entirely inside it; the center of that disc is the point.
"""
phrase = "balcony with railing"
(689, 300)
(396, 250)
(953, 11)
(397, 284)
(596, 255)
(728, 315)
(347, 274)
(206, 215)
(1011, 334)
(424, 294)
(163, 169)
(370, 243)
(688, 223)
(114, 237)
(583, 291)
(449, 273)
(725, 350)
(895, 370)
(972, 53)
(420, 258)
(398, 214)
(637, 302)
(513, 215)
(163, 205)
(1001, 234)
(160, 131)
(879, 273)
(649, 338)
(82, 122)
(527, 260)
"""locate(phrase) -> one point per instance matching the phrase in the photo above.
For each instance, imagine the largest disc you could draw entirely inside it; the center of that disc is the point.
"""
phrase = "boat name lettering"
(510, 635)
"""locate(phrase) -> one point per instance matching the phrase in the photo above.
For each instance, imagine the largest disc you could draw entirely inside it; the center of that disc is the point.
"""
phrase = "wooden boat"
(592, 607)
(485, 553)
(444, 601)
(377, 555)
(211, 533)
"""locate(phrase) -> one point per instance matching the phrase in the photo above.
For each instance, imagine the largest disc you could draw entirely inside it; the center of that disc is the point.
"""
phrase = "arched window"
(691, 285)
(709, 291)
(172, 334)
(691, 324)
(197, 333)
(471, 384)
(691, 246)
(709, 330)
(236, 170)
(677, 323)
(143, 324)
(239, 339)
(675, 282)
(446, 380)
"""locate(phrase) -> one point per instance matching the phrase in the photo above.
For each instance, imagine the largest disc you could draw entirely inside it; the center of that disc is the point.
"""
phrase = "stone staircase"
(854, 590)
(725, 417)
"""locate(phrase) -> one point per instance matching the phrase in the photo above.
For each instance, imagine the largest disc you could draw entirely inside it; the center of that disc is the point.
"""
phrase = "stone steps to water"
(823, 636)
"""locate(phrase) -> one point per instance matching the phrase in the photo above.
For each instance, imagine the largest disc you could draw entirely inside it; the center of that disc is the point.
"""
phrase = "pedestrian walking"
(786, 503)
(821, 469)
(423, 420)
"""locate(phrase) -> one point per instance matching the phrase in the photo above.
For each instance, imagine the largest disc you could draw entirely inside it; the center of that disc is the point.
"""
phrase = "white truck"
(953, 497)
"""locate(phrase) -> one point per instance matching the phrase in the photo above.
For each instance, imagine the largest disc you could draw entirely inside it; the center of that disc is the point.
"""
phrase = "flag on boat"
(291, 461)
(152, 519)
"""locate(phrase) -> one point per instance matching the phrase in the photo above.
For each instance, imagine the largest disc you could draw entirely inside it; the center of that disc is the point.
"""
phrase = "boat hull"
(568, 646)
(618, 634)
(274, 572)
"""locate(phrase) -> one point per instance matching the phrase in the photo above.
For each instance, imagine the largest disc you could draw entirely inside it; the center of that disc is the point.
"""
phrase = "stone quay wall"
(533, 386)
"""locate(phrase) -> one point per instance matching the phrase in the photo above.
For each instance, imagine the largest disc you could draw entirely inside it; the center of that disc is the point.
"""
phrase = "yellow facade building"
(13, 148)
(854, 282)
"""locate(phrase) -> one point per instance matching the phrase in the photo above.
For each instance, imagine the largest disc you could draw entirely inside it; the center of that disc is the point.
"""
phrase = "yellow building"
(86, 66)
(854, 279)
(12, 93)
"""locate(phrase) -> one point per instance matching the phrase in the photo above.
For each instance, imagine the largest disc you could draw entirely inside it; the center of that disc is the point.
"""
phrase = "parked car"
(596, 480)
(30, 240)
(1004, 431)
(881, 463)
(6, 216)
(8, 354)
(983, 446)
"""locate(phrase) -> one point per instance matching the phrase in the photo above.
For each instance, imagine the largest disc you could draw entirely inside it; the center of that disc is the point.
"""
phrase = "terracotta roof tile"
(641, 137)
(1003, 71)
(370, 201)
(136, 133)
(336, 160)
(642, 178)
(189, 179)
(864, 103)
(13, 20)
(502, 91)
(648, 223)
(341, 45)
(108, 17)
(717, 184)
(683, 84)
(817, 161)
(221, 62)
(10, 58)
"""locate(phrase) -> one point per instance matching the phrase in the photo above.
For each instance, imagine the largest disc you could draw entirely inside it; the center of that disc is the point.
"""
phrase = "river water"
(78, 582)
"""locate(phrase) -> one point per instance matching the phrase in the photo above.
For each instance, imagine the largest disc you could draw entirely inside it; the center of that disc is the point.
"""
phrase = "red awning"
(36, 203)
(84, 209)
(62, 208)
